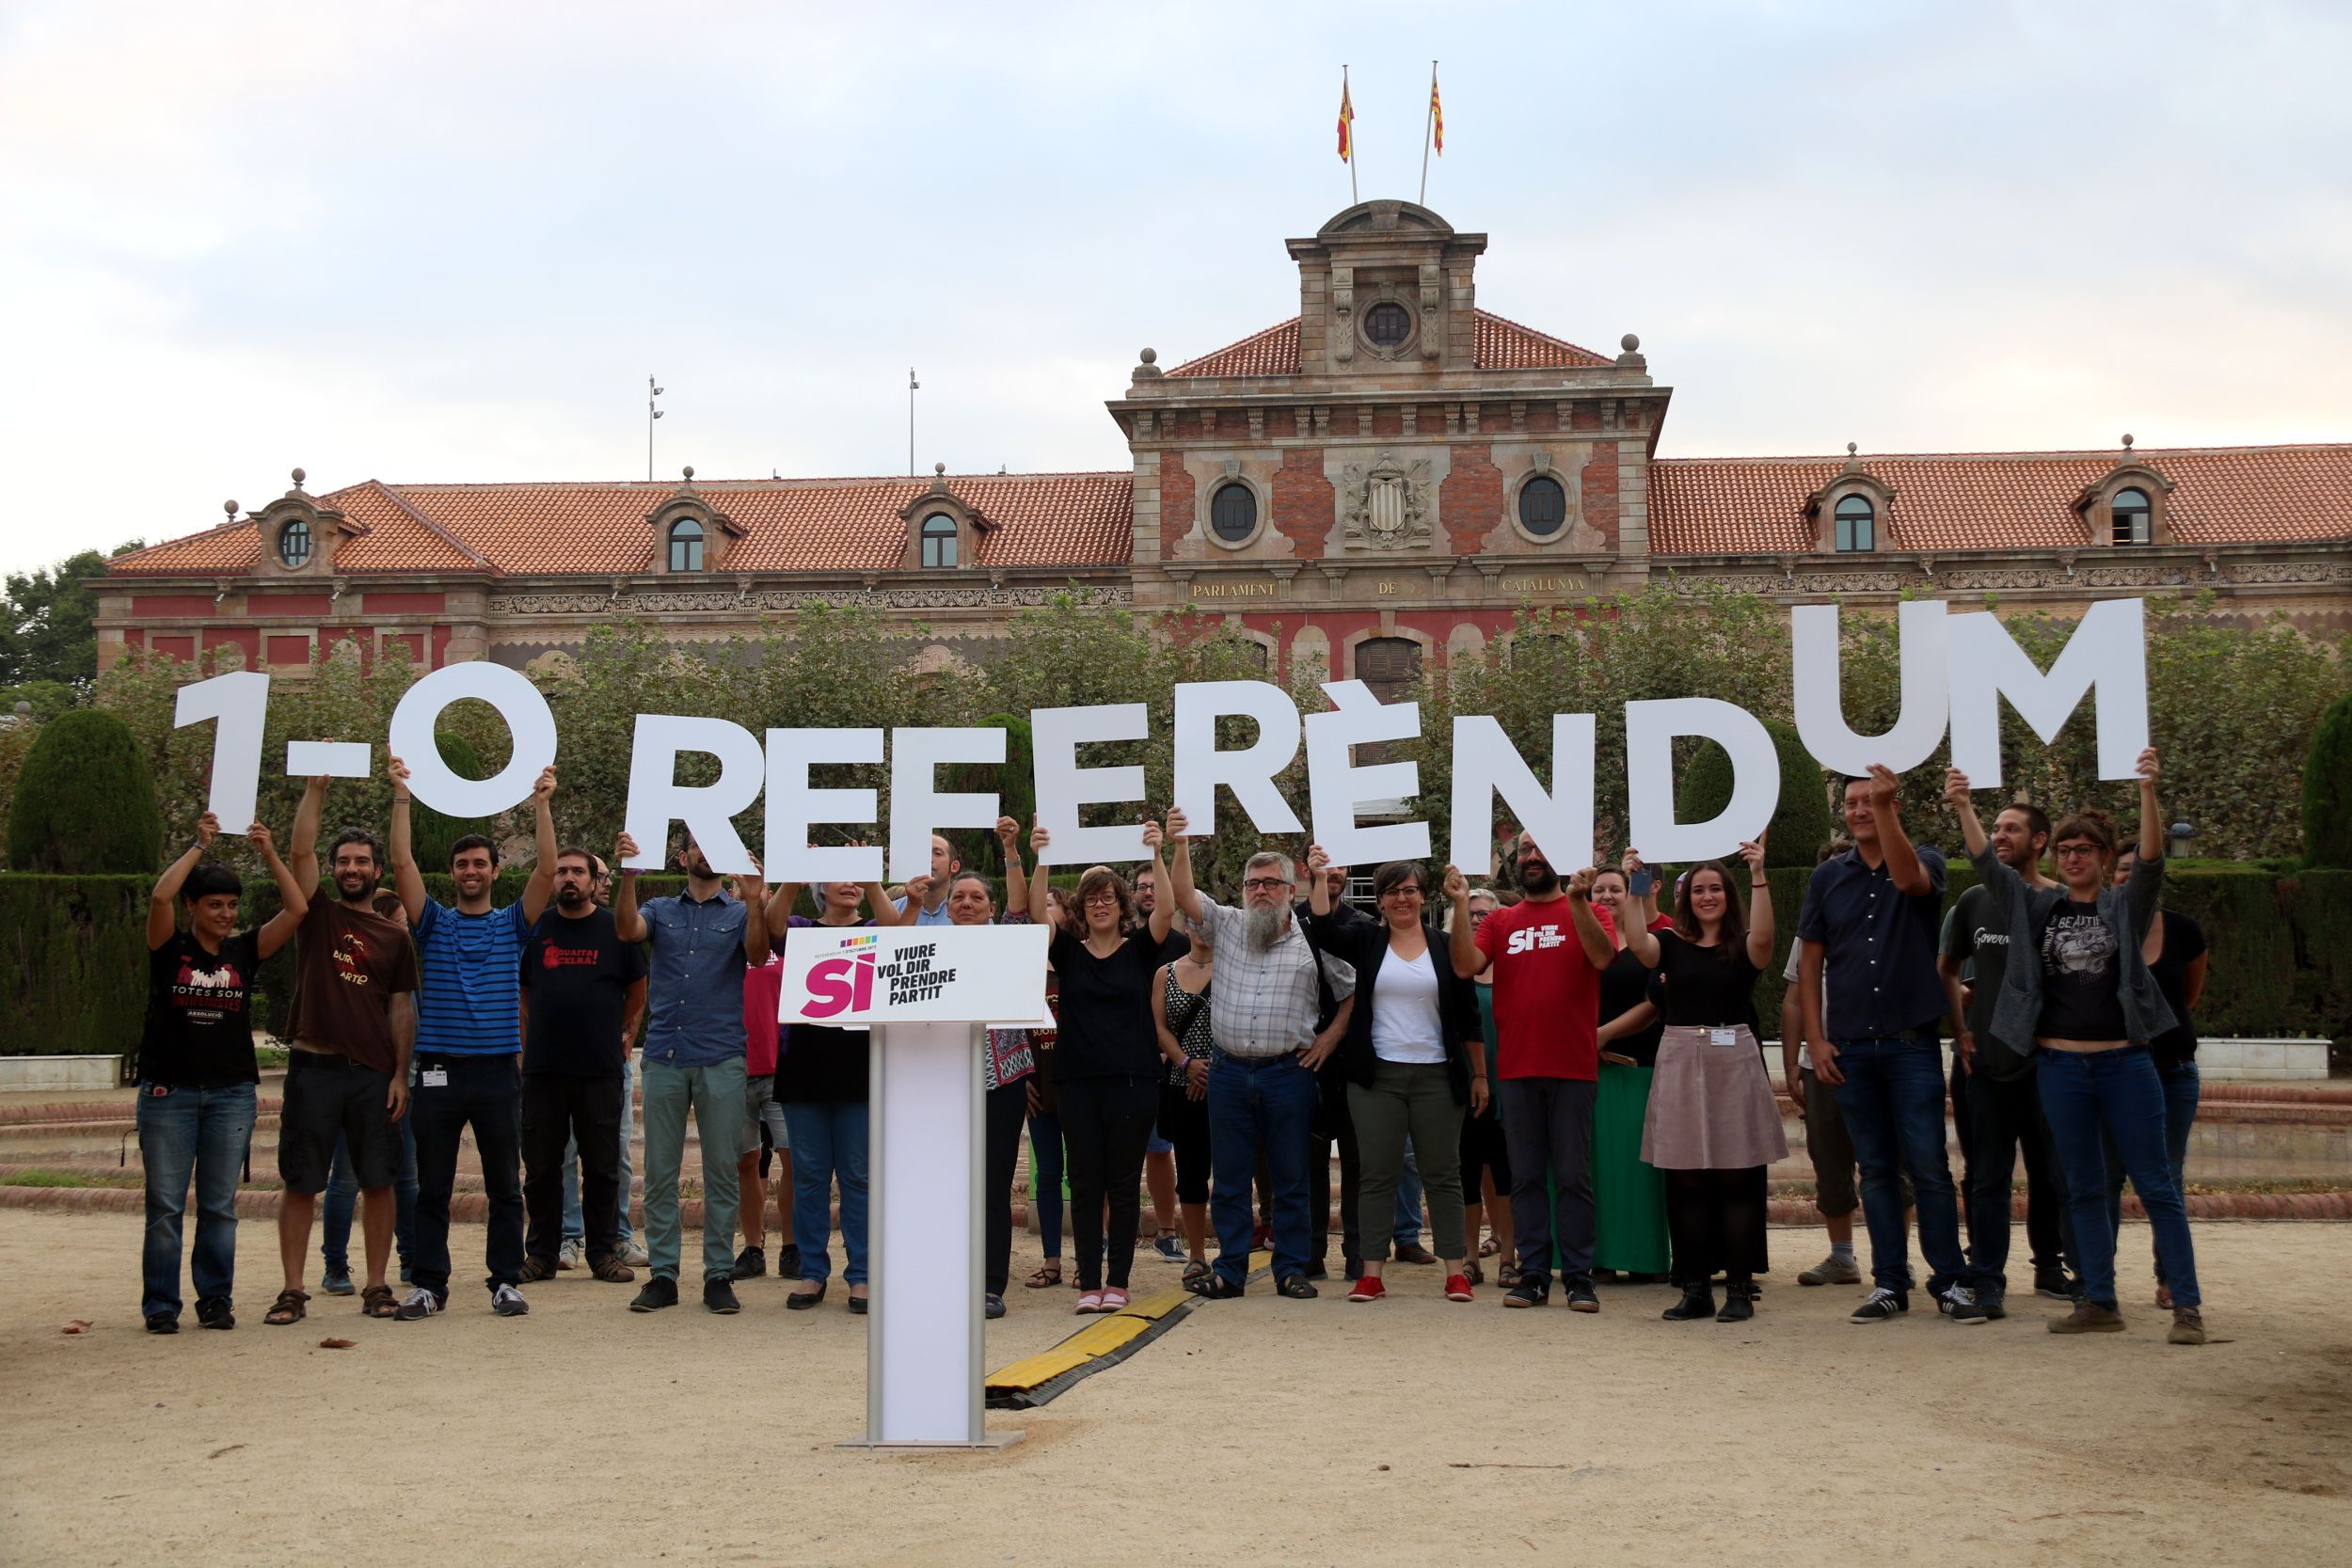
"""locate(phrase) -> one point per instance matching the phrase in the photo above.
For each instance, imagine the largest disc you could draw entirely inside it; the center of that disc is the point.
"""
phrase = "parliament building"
(1382, 480)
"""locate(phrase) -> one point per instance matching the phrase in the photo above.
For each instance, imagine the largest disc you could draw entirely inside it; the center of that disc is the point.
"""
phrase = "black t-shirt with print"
(575, 970)
(199, 1013)
(2079, 972)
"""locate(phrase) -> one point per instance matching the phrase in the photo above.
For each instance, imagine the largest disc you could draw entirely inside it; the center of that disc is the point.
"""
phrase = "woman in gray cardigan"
(2078, 988)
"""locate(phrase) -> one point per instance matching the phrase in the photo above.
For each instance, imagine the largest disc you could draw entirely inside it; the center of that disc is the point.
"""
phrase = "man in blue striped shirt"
(469, 1045)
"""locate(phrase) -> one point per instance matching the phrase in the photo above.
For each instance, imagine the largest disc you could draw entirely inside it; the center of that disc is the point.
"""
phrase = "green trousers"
(1408, 1098)
(716, 1096)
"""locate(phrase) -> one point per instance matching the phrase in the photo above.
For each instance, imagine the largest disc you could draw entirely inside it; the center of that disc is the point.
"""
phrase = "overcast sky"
(433, 242)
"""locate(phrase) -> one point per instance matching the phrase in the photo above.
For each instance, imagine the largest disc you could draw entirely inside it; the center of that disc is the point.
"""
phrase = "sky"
(449, 242)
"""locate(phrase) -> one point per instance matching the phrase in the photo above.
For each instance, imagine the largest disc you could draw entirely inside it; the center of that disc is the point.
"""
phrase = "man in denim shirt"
(1872, 915)
(701, 943)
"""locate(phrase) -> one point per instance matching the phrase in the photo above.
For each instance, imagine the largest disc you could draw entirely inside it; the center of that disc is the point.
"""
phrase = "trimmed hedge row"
(73, 972)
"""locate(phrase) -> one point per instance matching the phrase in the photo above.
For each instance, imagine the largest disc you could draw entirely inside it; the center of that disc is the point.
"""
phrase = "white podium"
(927, 1150)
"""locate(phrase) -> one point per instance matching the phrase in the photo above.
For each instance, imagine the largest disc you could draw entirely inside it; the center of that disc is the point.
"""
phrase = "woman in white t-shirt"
(1414, 1058)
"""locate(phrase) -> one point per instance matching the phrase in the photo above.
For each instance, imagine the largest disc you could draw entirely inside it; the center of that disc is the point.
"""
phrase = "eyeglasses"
(1095, 898)
(2072, 851)
(1408, 890)
(1263, 884)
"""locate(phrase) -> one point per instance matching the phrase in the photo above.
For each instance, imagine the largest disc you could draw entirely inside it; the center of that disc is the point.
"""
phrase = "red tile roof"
(791, 525)
(2000, 500)
(1501, 345)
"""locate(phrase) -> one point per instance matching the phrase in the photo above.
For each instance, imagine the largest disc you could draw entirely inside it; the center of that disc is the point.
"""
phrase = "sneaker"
(719, 1295)
(536, 1269)
(1958, 1302)
(567, 1255)
(1833, 1270)
(1882, 1306)
(992, 1307)
(632, 1253)
(422, 1303)
(1167, 1248)
(507, 1302)
(788, 1261)
(1367, 1288)
(213, 1312)
(164, 1323)
(1580, 1296)
(2188, 1325)
(750, 1263)
(1457, 1286)
(337, 1282)
(2089, 1317)
(1532, 1289)
(656, 1293)
(2053, 1284)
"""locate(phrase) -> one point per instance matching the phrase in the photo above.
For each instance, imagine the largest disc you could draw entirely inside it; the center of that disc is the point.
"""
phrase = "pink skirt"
(1711, 1106)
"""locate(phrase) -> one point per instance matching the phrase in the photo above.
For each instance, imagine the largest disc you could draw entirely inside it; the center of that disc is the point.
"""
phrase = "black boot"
(1698, 1301)
(1738, 1301)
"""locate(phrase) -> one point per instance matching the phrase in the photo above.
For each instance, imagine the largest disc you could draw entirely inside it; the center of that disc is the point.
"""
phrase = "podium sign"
(927, 992)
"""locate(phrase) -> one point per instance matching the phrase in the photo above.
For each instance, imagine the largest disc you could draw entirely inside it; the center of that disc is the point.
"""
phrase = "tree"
(46, 622)
(85, 800)
(2327, 789)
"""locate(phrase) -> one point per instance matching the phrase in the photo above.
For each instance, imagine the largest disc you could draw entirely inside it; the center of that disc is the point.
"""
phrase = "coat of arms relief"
(1386, 506)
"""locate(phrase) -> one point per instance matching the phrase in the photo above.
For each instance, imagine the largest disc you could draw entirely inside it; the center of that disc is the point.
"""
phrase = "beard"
(1266, 924)
(570, 897)
(1539, 880)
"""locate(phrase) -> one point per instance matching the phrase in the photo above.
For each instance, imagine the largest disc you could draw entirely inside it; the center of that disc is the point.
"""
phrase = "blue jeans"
(1409, 1198)
(828, 1145)
(2182, 1088)
(184, 1134)
(1893, 1102)
(2118, 1094)
(574, 1230)
(1259, 1104)
(343, 1196)
(1045, 1176)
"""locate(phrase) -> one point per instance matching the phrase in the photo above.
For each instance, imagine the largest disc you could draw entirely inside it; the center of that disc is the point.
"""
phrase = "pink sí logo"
(841, 984)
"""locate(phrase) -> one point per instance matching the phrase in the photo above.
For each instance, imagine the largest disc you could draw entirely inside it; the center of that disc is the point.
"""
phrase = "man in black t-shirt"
(196, 1071)
(582, 988)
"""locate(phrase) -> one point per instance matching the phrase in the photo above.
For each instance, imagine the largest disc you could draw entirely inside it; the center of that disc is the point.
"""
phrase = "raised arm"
(2000, 884)
(407, 882)
(1461, 942)
(628, 924)
(162, 904)
(302, 850)
(778, 913)
(1761, 932)
(1016, 885)
(1180, 887)
(1318, 895)
(1041, 879)
(2146, 885)
(1599, 950)
(541, 888)
(1903, 861)
(1957, 791)
(755, 917)
(292, 902)
(1163, 909)
(1634, 927)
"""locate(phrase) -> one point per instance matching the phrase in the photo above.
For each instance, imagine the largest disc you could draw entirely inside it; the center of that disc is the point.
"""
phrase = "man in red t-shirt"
(1547, 953)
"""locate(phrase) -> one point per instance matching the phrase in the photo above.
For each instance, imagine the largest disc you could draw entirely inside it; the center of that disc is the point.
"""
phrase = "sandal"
(1213, 1287)
(1488, 1247)
(1090, 1301)
(1507, 1275)
(1114, 1300)
(288, 1309)
(1471, 1271)
(376, 1302)
(1047, 1276)
(1198, 1269)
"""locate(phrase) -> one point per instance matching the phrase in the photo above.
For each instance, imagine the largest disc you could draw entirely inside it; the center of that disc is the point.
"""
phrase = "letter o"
(529, 721)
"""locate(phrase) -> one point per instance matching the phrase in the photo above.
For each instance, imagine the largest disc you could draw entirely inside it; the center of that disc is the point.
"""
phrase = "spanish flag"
(1347, 121)
(1437, 116)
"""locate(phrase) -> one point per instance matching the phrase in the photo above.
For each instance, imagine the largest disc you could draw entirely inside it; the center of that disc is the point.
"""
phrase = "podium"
(926, 1150)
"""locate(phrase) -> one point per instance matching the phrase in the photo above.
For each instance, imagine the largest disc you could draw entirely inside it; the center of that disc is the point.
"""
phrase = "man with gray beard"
(1262, 1078)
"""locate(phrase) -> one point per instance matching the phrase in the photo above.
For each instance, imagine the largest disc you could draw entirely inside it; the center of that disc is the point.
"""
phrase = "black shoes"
(992, 1307)
(1532, 1289)
(1296, 1288)
(801, 1301)
(1738, 1303)
(1698, 1301)
(656, 1292)
(788, 1261)
(1882, 1306)
(750, 1263)
(1580, 1296)
(2053, 1284)
(719, 1295)
(213, 1312)
(163, 1322)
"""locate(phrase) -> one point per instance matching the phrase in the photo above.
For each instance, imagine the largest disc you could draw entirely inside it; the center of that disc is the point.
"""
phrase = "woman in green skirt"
(1629, 1198)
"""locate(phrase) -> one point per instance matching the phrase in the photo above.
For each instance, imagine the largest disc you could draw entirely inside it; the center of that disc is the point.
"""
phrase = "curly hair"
(1095, 881)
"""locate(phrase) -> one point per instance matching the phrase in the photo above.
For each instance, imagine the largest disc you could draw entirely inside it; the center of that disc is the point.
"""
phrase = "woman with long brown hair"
(1713, 1125)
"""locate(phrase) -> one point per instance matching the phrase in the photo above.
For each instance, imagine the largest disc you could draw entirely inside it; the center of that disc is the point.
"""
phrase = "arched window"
(294, 544)
(1543, 506)
(1857, 524)
(686, 546)
(2129, 517)
(1388, 664)
(939, 540)
(1387, 323)
(1234, 512)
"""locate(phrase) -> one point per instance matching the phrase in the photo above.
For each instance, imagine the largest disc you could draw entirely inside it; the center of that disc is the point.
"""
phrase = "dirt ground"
(1411, 1432)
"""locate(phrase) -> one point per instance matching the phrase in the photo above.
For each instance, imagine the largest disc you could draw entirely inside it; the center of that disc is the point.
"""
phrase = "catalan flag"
(1437, 116)
(1347, 121)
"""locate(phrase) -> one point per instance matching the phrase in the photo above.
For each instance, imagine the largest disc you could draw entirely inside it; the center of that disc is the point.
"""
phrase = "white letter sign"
(917, 809)
(528, 721)
(794, 807)
(1250, 772)
(656, 798)
(241, 702)
(1486, 764)
(1920, 628)
(1336, 787)
(1650, 731)
(1064, 786)
(2106, 655)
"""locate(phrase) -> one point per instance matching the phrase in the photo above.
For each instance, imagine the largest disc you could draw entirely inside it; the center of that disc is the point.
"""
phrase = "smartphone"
(1642, 882)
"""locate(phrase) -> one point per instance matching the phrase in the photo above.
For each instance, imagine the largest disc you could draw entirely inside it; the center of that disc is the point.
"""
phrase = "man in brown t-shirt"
(354, 1025)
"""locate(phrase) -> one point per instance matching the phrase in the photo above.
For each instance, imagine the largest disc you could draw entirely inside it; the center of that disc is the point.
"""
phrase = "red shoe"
(1262, 1239)
(1457, 1286)
(1367, 1288)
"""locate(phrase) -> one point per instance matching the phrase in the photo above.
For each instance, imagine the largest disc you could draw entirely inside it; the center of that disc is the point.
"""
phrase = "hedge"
(86, 800)
(74, 974)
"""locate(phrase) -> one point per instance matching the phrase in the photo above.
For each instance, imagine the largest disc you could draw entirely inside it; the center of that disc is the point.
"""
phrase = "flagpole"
(1352, 197)
(1428, 118)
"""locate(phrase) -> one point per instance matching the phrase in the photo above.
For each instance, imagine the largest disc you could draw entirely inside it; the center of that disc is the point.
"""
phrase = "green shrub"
(1802, 819)
(2327, 789)
(86, 801)
(73, 963)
